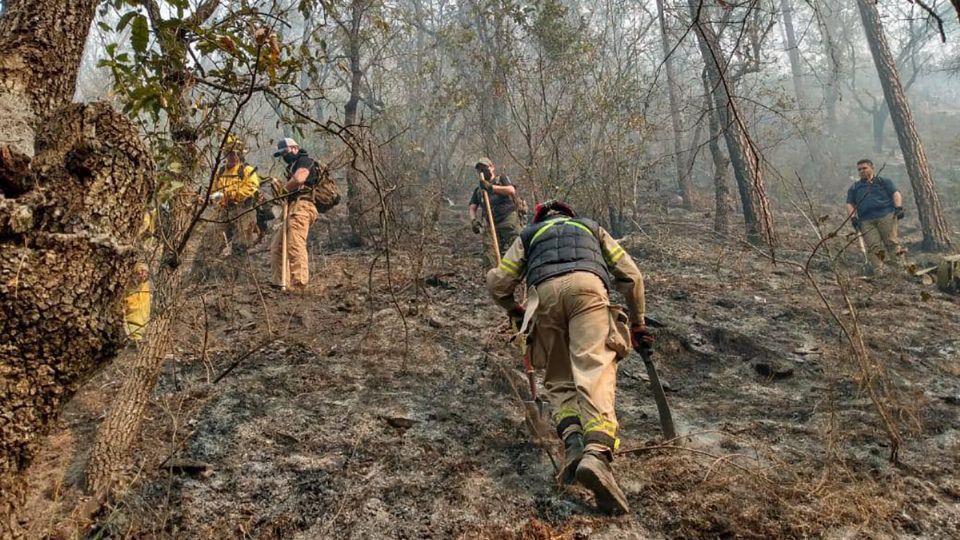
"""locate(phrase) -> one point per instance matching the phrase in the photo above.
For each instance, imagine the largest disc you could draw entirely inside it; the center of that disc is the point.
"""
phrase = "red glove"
(642, 338)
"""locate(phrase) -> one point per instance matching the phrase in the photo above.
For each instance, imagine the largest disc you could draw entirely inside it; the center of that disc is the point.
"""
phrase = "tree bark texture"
(73, 180)
(936, 235)
(683, 171)
(743, 154)
(121, 426)
(41, 45)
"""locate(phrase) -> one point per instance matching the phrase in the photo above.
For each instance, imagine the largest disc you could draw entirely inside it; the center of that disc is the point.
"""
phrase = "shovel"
(541, 430)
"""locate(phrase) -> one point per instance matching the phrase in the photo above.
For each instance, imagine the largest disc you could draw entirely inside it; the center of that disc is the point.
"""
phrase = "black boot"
(595, 474)
(572, 452)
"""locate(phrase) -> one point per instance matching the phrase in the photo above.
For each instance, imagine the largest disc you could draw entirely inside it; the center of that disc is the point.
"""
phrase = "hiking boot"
(595, 474)
(572, 452)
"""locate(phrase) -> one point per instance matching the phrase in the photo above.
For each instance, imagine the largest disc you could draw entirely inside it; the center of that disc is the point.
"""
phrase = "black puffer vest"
(561, 245)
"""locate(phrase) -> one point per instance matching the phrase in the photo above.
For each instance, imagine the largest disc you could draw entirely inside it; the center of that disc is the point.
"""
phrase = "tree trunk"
(936, 235)
(743, 154)
(64, 261)
(683, 172)
(793, 52)
(879, 122)
(121, 426)
(723, 209)
(354, 193)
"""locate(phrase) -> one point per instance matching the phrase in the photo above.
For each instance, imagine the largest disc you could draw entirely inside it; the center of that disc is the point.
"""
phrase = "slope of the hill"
(348, 412)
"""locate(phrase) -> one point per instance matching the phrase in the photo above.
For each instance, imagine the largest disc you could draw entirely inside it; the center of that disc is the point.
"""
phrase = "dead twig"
(240, 359)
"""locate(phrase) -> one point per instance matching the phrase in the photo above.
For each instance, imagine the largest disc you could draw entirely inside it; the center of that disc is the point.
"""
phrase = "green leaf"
(125, 20)
(140, 34)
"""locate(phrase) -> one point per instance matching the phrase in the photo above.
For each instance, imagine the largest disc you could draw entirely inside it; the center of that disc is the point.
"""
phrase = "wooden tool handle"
(490, 224)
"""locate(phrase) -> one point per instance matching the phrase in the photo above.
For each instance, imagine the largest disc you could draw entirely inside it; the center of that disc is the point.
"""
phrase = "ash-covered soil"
(354, 413)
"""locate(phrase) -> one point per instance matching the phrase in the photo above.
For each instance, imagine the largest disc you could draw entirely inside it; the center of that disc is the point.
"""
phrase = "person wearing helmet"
(570, 263)
(503, 204)
(233, 220)
(238, 186)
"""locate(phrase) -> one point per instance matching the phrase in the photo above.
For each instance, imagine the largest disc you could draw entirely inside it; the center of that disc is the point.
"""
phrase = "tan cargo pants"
(301, 214)
(880, 236)
(570, 332)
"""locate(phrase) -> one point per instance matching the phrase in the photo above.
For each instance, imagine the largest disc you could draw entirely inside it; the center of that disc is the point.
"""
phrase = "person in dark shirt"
(875, 205)
(301, 214)
(503, 197)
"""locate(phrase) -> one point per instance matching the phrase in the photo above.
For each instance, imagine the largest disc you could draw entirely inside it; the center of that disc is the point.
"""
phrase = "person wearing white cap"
(302, 173)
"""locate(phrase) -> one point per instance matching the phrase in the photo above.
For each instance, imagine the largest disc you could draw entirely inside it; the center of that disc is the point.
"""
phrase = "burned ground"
(357, 415)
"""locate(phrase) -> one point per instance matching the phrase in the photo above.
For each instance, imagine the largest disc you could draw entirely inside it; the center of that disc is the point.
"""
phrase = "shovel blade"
(541, 431)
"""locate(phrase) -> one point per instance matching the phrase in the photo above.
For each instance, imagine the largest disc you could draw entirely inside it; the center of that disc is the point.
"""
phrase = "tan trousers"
(569, 335)
(301, 214)
(880, 236)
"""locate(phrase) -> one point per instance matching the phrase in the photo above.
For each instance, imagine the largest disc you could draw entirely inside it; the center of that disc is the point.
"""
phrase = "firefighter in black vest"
(301, 214)
(503, 203)
(570, 264)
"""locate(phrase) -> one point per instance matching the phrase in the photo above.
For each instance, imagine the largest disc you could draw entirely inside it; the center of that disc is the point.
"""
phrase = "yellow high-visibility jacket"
(136, 311)
(238, 188)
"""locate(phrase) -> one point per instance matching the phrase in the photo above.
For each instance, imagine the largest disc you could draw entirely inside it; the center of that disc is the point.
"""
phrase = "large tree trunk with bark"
(936, 235)
(74, 179)
(743, 153)
(121, 426)
(679, 158)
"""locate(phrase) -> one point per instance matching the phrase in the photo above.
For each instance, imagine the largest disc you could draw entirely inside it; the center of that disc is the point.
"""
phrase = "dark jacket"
(303, 161)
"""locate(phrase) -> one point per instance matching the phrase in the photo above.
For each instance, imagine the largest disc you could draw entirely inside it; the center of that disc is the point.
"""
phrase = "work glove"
(516, 316)
(898, 211)
(475, 225)
(856, 223)
(642, 339)
(486, 186)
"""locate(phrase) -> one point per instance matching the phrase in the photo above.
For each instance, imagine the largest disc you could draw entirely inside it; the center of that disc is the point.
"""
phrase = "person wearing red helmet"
(570, 264)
